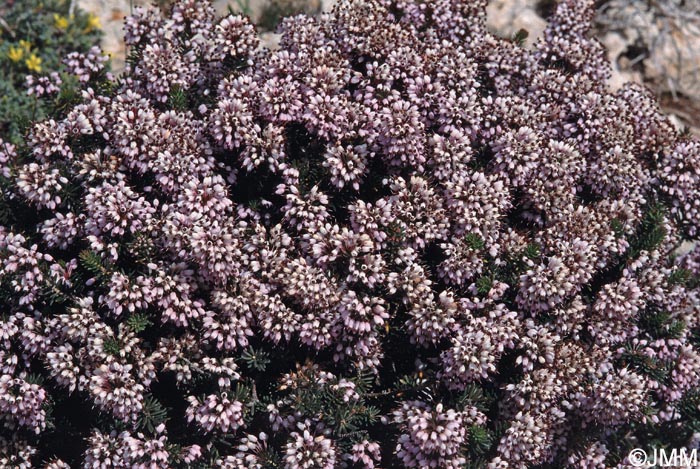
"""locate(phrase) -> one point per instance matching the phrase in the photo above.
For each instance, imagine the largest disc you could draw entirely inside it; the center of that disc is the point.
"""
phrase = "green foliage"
(93, 263)
(474, 241)
(242, 392)
(480, 439)
(681, 277)
(474, 395)
(154, 413)
(34, 378)
(618, 228)
(178, 99)
(68, 96)
(112, 346)
(532, 251)
(39, 34)
(520, 37)
(257, 360)
(411, 383)
(53, 295)
(350, 419)
(660, 324)
(484, 285)
(347, 418)
(651, 231)
(689, 407)
(634, 357)
(516, 264)
(138, 322)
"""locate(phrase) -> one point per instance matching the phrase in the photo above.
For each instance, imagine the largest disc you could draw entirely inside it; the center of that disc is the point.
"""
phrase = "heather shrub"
(397, 241)
(35, 37)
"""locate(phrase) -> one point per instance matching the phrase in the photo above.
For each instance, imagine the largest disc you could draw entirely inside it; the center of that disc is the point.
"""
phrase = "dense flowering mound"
(398, 241)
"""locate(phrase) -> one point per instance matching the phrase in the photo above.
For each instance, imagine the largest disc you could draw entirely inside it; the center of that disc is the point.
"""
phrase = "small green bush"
(35, 35)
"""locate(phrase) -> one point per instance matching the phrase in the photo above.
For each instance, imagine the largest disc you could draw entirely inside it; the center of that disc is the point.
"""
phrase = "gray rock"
(507, 17)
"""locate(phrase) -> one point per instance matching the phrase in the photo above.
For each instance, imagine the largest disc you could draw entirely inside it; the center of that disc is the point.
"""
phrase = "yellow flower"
(93, 22)
(15, 54)
(61, 22)
(26, 45)
(33, 63)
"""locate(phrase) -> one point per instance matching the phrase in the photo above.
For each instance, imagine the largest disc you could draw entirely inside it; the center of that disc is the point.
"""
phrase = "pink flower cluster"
(434, 437)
